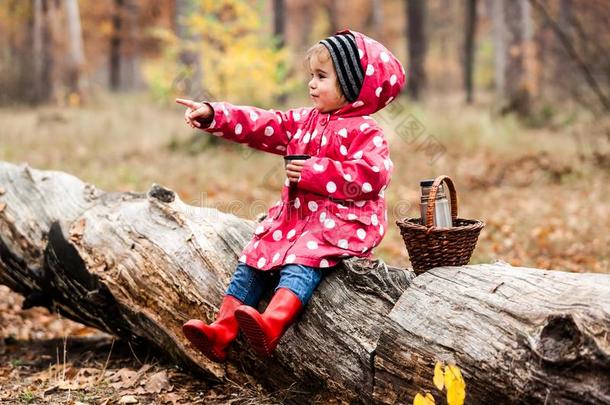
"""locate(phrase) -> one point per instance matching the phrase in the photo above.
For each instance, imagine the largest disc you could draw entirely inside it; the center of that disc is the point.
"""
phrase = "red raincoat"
(337, 208)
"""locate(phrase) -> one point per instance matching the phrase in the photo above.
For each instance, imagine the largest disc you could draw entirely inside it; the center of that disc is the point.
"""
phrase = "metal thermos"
(442, 211)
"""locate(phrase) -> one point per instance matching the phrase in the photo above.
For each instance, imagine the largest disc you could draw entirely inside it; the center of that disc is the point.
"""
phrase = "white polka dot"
(306, 137)
(324, 263)
(279, 119)
(341, 206)
(322, 216)
(374, 219)
(378, 91)
(259, 229)
(324, 140)
(297, 135)
(375, 169)
(253, 116)
(268, 131)
(370, 70)
(297, 202)
(386, 163)
(343, 150)
(367, 188)
(312, 245)
(389, 100)
(381, 229)
(343, 132)
(242, 258)
(314, 134)
(384, 57)
(364, 126)
(297, 116)
(393, 80)
(277, 235)
(313, 206)
(287, 182)
(289, 134)
(261, 262)
(358, 103)
(360, 53)
(275, 257)
(329, 223)
(361, 233)
(238, 129)
(378, 141)
(347, 177)
(364, 249)
(290, 234)
(358, 155)
(343, 244)
(212, 124)
(360, 203)
(256, 244)
(318, 167)
(290, 259)
(280, 148)
(331, 187)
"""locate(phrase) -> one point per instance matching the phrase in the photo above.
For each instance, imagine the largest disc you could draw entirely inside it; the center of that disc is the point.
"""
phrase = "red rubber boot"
(265, 330)
(213, 340)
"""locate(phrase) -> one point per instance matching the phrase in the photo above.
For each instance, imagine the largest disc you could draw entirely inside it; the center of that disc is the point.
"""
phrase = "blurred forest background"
(511, 98)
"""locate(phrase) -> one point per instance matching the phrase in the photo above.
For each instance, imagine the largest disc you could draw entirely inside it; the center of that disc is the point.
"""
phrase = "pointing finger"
(188, 103)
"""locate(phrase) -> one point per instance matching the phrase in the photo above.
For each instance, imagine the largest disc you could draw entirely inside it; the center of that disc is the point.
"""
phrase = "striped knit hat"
(344, 53)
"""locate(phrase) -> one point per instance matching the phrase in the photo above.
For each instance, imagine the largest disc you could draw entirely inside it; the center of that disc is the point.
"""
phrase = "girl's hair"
(321, 53)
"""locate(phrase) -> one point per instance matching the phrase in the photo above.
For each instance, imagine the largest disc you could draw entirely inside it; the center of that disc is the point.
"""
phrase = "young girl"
(332, 204)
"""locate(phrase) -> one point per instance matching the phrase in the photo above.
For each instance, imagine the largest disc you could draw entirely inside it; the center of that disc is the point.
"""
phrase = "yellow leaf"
(423, 400)
(438, 376)
(456, 386)
(456, 395)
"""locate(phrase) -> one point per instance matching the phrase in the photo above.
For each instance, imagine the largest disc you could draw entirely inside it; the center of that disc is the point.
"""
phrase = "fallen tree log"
(138, 265)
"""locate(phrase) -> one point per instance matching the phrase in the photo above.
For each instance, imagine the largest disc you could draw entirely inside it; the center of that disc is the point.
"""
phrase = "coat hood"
(384, 77)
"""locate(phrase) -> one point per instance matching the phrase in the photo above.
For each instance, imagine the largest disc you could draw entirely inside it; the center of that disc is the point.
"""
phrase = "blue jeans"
(249, 283)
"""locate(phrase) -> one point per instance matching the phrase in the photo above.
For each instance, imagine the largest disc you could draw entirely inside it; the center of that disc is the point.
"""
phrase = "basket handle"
(432, 199)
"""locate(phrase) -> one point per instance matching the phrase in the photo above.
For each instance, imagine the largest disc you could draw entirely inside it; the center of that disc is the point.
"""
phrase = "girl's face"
(323, 86)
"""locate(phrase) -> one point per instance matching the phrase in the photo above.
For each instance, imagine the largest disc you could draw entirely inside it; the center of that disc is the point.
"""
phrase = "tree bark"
(138, 265)
(469, 47)
(116, 41)
(76, 79)
(190, 56)
(417, 44)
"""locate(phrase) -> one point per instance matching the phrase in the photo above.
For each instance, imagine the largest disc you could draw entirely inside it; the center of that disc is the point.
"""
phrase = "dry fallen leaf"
(128, 399)
(157, 382)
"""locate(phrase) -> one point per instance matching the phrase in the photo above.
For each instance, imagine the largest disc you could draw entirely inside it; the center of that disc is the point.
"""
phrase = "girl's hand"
(293, 170)
(195, 111)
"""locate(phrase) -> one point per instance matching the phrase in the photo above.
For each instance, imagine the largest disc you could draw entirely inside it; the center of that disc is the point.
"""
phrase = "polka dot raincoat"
(337, 208)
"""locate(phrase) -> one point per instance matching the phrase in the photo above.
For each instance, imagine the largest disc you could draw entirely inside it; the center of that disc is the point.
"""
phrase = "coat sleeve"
(266, 130)
(364, 175)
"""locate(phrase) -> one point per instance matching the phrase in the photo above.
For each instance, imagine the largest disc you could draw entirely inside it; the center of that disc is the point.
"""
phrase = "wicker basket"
(429, 246)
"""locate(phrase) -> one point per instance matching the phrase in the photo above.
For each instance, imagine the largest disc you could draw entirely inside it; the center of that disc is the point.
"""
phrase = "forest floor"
(543, 192)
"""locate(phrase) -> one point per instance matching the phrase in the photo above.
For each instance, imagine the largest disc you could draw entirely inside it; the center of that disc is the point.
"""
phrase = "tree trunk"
(139, 265)
(500, 46)
(190, 58)
(469, 46)
(416, 38)
(76, 82)
(279, 32)
(116, 45)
